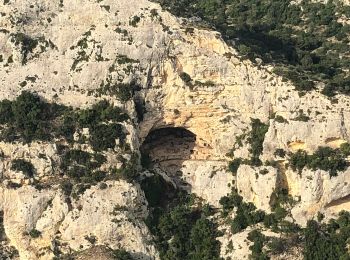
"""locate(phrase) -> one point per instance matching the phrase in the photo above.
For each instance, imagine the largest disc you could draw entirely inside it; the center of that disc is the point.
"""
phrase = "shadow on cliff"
(164, 150)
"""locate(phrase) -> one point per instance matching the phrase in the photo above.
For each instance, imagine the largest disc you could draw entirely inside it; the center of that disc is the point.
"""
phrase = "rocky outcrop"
(257, 185)
(43, 156)
(40, 222)
(318, 192)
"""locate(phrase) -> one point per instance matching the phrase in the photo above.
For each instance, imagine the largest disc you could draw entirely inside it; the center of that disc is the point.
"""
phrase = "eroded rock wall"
(81, 46)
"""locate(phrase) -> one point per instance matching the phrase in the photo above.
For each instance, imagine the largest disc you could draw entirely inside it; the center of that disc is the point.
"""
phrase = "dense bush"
(103, 136)
(185, 77)
(318, 241)
(180, 227)
(324, 158)
(134, 21)
(203, 242)
(230, 202)
(121, 254)
(26, 43)
(130, 169)
(34, 233)
(24, 166)
(187, 235)
(234, 165)
(100, 112)
(246, 213)
(122, 91)
(258, 240)
(6, 114)
(102, 120)
(280, 153)
(156, 190)
(328, 241)
(256, 137)
(298, 39)
(28, 118)
(82, 166)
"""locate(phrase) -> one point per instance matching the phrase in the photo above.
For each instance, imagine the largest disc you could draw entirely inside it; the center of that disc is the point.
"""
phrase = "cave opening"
(167, 148)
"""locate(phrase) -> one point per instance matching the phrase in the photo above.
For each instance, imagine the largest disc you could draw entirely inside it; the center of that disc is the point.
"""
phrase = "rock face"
(257, 185)
(70, 51)
(41, 155)
(318, 193)
(112, 215)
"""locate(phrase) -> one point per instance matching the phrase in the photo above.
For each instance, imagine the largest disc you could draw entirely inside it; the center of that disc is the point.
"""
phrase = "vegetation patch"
(28, 45)
(324, 158)
(306, 42)
(122, 254)
(134, 21)
(29, 118)
(246, 213)
(23, 166)
(82, 167)
(122, 91)
(180, 223)
(255, 138)
(317, 240)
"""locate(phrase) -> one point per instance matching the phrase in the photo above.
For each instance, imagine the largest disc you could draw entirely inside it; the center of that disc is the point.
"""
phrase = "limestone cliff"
(72, 52)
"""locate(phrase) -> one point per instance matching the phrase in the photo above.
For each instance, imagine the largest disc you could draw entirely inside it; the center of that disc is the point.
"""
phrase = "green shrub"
(258, 240)
(256, 139)
(156, 190)
(123, 91)
(302, 117)
(179, 223)
(185, 77)
(270, 220)
(102, 136)
(24, 166)
(328, 242)
(280, 119)
(82, 166)
(134, 21)
(6, 114)
(277, 246)
(280, 152)
(345, 149)
(27, 44)
(121, 254)
(28, 118)
(100, 112)
(76, 156)
(34, 233)
(324, 158)
(234, 165)
(246, 213)
(298, 160)
(202, 237)
(183, 228)
(239, 223)
(129, 171)
(230, 202)
(66, 187)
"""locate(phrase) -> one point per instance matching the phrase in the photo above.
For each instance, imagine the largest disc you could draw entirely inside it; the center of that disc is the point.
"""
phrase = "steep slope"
(165, 74)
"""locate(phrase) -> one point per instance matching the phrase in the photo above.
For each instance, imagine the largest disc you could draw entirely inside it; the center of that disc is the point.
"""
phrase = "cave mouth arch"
(168, 147)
